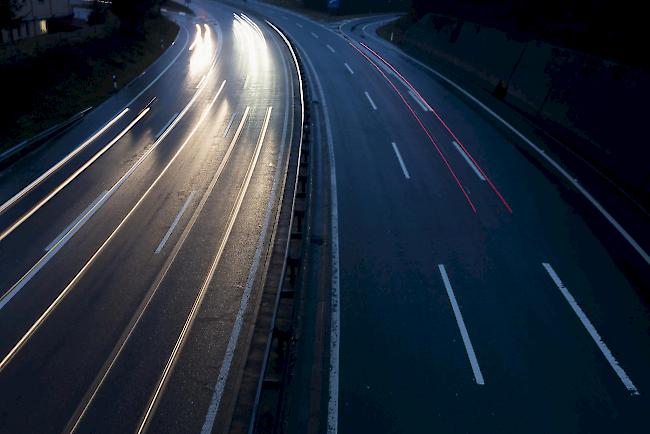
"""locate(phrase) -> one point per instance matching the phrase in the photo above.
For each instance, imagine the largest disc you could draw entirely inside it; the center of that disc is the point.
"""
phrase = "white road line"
(206, 282)
(401, 162)
(44, 259)
(468, 161)
(335, 282)
(335, 298)
(299, 25)
(226, 364)
(627, 382)
(329, 47)
(174, 223)
(91, 393)
(314, 35)
(635, 245)
(348, 68)
(156, 78)
(63, 161)
(232, 119)
(121, 113)
(200, 82)
(418, 100)
(5, 233)
(169, 122)
(78, 222)
(478, 376)
(27, 277)
(372, 103)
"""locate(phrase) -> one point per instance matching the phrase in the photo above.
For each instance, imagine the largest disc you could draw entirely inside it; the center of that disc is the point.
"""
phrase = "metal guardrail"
(26, 146)
(291, 263)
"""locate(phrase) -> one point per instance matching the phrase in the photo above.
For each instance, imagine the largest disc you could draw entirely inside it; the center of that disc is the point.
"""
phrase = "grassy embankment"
(46, 79)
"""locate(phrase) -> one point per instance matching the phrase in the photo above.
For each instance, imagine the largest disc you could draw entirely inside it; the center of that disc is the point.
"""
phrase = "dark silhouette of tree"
(132, 13)
(608, 28)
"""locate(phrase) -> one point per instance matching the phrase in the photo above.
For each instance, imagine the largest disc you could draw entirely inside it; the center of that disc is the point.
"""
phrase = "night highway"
(458, 273)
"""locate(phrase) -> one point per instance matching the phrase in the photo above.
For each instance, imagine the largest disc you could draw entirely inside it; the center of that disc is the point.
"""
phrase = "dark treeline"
(362, 6)
(133, 13)
(614, 29)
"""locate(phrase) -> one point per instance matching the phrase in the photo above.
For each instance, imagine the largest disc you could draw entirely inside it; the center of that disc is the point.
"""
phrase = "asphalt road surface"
(124, 267)
(473, 286)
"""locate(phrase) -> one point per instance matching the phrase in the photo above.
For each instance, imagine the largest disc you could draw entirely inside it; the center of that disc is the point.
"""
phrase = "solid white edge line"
(9, 230)
(469, 162)
(478, 376)
(119, 114)
(335, 321)
(348, 68)
(372, 103)
(142, 308)
(636, 246)
(618, 369)
(41, 319)
(25, 278)
(335, 302)
(401, 162)
(208, 279)
(63, 161)
(85, 215)
(329, 47)
(174, 223)
(224, 371)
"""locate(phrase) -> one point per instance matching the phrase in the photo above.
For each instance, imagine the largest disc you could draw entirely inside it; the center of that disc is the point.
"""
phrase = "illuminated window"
(42, 25)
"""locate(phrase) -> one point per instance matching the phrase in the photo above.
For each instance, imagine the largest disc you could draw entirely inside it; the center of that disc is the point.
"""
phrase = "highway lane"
(127, 294)
(490, 341)
(112, 167)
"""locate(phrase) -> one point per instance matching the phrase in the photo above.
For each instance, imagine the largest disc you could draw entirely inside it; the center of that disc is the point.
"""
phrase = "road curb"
(26, 146)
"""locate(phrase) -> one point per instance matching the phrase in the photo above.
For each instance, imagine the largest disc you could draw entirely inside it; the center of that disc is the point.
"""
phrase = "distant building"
(34, 16)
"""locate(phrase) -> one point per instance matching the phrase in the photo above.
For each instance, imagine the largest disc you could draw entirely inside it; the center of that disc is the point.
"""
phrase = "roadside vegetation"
(46, 79)
(541, 63)
(171, 5)
(349, 9)
(612, 30)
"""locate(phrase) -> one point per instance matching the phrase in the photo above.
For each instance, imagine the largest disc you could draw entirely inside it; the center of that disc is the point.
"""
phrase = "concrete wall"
(600, 102)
